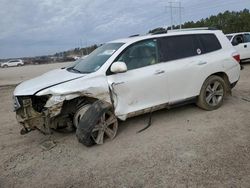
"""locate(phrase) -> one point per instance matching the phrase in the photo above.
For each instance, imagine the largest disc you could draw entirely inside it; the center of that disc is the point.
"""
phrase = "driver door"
(144, 85)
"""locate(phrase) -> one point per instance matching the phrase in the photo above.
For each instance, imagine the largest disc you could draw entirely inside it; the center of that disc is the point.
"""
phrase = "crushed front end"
(32, 113)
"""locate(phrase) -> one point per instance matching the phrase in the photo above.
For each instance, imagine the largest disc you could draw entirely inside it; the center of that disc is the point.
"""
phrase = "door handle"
(159, 72)
(245, 46)
(202, 63)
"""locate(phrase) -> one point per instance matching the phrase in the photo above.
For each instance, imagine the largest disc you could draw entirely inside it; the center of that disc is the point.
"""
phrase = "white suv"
(128, 77)
(12, 63)
(241, 42)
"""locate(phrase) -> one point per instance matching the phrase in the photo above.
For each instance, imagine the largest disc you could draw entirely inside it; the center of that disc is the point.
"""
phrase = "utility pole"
(87, 48)
(81, 48)
(179, 7)
(171, 14)
(180, 13)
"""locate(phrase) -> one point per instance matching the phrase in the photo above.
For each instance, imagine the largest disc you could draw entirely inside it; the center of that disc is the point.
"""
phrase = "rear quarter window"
(209, 42)
(177, 47)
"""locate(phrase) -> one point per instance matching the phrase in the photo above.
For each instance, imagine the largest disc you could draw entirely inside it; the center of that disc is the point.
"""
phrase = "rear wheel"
(97, 125)
(212, 93)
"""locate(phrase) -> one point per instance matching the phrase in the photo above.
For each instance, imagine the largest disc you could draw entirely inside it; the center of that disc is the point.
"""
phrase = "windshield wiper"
(78, 71)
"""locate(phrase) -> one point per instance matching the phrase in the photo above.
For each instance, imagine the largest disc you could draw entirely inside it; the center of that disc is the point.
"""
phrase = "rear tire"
(97, 125)
(212, 93)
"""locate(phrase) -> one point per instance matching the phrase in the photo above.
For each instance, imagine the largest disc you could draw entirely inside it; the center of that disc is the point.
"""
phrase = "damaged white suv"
(128, 77)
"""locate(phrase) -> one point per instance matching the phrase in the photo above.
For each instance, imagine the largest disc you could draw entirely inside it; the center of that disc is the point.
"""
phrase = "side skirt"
(159, 107)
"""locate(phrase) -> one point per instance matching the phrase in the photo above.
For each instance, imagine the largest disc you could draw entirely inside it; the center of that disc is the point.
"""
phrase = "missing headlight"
(38, 102)
(16, 104)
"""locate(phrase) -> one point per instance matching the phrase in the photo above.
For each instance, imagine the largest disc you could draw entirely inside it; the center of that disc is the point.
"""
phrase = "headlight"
(54, 100)
(16, 104)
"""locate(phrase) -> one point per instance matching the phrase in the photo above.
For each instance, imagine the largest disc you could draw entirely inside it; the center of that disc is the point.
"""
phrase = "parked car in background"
(12, 63)
(241, 42)
(77, 57)
(126, 78)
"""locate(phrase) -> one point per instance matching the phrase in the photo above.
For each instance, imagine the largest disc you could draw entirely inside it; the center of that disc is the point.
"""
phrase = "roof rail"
(193, 29)
(136, 35)
(159, 32)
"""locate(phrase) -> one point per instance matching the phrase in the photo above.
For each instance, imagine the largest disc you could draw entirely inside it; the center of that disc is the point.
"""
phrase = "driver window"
(140, 54)
(238, 39)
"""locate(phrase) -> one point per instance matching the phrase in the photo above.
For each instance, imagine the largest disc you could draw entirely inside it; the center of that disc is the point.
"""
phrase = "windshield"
(96, 59)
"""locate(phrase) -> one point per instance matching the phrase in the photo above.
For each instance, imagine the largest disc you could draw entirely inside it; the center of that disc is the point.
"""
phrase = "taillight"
(236, 56)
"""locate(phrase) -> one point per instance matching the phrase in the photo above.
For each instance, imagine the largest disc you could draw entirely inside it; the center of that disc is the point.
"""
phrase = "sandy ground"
(184, 147)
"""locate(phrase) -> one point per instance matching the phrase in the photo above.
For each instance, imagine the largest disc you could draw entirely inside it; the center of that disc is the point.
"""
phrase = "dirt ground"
(184, 147)
(15, 75)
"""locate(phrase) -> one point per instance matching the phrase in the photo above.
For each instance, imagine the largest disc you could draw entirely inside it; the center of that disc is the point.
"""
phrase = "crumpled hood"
(46, 80)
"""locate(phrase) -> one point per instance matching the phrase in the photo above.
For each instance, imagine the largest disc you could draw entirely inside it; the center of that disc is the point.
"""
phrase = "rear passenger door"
(185, 60)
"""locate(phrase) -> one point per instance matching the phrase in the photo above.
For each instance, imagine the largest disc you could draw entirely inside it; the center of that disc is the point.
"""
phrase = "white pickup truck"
(241, 42)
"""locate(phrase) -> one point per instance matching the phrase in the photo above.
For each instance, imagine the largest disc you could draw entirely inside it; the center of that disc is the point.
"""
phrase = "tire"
(79, 114)
(92, 127)
(212, 93)
(5, 66)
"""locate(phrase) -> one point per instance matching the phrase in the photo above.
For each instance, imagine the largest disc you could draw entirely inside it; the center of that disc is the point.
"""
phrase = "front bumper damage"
(31, 119)
(54, 108)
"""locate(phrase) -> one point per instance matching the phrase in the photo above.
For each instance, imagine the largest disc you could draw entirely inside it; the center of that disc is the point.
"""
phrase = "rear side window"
(177, 47)
(247, 37)
(209, 42)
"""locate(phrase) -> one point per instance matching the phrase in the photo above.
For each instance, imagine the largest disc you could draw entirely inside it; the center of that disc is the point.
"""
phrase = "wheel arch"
(224, 76)
(72, 105)
(221, 74)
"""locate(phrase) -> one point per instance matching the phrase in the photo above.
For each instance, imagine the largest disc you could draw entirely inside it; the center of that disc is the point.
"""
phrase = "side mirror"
(118, 67)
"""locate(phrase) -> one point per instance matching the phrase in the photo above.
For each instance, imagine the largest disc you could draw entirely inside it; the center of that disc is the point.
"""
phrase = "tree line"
(228, 22)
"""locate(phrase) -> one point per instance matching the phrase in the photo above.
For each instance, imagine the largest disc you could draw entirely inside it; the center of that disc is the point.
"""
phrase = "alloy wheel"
(106, 128)
(214, 93)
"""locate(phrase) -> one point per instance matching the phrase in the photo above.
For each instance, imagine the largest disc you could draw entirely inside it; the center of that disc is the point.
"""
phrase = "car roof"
(172, 33)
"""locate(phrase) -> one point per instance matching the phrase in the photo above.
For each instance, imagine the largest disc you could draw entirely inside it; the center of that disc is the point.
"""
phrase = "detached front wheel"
(212, 93)
(97, 125)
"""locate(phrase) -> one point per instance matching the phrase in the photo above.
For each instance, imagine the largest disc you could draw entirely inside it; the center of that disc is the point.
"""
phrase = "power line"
(200, 7)
(202, 4)
(179, 7)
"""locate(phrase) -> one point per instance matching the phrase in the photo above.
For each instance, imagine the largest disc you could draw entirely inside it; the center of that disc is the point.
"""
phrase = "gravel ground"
(184, 147)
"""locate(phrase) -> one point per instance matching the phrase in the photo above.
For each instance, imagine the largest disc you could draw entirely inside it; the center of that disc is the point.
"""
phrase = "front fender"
(94, 87)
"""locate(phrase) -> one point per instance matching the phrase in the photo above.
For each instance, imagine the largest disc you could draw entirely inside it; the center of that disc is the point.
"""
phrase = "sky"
(43, 27)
